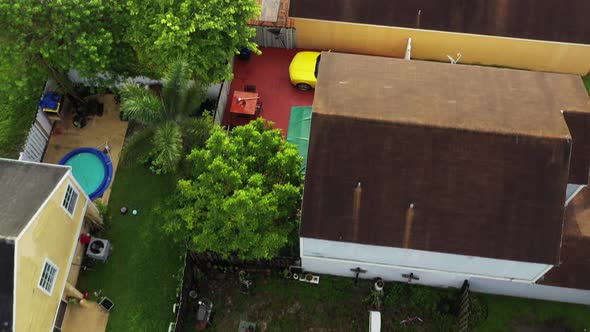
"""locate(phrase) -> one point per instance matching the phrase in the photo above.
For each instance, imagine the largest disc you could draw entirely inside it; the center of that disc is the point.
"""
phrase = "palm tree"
(165, 114)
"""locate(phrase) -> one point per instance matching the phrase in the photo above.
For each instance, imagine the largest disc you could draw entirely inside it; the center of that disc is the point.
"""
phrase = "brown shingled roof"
(449, 158)
(574, 270)
(477, 98)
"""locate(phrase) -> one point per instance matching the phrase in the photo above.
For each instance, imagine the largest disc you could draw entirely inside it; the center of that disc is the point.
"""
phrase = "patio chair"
(258, 110)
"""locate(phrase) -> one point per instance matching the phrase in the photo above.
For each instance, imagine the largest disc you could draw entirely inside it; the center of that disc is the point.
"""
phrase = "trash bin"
(245, 53)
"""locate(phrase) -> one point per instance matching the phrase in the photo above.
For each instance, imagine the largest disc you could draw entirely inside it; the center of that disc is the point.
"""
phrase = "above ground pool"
(92, 169)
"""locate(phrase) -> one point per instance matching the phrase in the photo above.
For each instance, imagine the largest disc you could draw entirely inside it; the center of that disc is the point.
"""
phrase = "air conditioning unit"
(98, 249)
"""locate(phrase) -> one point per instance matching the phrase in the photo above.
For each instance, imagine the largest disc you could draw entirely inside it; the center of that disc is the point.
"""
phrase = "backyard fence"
(222, 102)
(222, 98)
(210, 259)
(188, 282)
(195, 263)
(275, 37)
(37, 139)
(464, 308)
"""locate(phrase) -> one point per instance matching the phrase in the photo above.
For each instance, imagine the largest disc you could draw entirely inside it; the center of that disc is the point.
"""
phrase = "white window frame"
(53, 265)
(70, 185)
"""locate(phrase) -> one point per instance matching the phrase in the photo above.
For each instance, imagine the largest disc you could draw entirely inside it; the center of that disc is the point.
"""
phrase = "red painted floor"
(269, 72)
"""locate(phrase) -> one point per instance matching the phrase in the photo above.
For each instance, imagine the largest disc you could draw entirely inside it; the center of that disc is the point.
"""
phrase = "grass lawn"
(139, 276)
(335, 304)
(511, 313)
(288, 305)
(587, 82)
(277, 304)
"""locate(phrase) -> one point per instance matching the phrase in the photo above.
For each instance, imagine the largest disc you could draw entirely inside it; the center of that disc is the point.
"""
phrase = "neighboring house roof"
(473, 98)
(574, 270)
(530, 19)
(450, 158)
(25, 187)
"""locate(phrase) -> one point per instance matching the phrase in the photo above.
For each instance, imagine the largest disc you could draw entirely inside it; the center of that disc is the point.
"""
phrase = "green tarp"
(298, 132)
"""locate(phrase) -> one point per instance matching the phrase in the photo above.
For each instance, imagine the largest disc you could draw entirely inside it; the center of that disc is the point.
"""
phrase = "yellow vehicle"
(303, 70)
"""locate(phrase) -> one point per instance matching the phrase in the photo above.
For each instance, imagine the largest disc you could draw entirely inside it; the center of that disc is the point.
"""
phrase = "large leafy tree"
(207, 32)
(21, 84)
(165, 115)
(243, 195)
(130, 37)
(57, 36)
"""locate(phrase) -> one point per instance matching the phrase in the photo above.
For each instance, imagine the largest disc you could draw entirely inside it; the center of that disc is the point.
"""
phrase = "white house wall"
(74, 76)
(445, 279)
(387, 272)
(393, 258)
(533, 291)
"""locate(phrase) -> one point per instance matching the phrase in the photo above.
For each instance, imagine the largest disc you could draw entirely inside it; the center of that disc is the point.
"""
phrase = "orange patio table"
(244, 102)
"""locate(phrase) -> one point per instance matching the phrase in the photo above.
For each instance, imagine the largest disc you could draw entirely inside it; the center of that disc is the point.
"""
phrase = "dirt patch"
(294, 308)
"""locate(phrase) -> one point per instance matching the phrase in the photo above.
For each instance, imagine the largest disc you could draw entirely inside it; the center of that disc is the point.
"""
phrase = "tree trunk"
(63, 81)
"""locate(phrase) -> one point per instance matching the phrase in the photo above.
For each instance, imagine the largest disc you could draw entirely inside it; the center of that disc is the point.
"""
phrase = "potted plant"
(374, 299)
(287, 274)
(308, 276)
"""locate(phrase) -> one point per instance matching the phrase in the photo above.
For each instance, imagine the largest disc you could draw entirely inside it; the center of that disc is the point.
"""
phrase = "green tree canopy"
(130, 37)
(207, 32)
(21, 84)
(61, 35)
(165, 113)
(243, 195)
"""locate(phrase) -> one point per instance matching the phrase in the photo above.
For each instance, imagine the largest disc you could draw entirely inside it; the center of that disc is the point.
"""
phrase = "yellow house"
(42, 213)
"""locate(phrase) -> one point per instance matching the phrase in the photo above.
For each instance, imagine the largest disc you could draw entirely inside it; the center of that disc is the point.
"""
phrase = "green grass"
(508, 313)
(284, 305)
(587, 82)
(289, 305)
(337, 305)
(140, 274)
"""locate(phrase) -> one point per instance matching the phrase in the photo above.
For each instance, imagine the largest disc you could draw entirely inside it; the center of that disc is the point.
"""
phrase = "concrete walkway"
(88, 318)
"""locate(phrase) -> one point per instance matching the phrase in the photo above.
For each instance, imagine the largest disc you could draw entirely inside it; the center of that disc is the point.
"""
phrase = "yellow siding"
(434, 45)
(53, 234)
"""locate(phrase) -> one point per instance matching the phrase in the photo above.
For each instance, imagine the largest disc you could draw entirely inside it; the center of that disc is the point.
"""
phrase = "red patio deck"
(269, 72)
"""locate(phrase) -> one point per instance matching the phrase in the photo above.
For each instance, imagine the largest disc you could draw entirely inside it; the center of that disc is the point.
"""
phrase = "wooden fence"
(36, 142)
